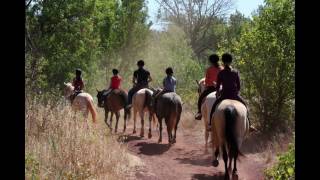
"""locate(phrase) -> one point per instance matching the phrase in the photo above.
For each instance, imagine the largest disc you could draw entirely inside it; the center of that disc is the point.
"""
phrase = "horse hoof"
(173, 141)
(159, 141)
(141, 134)
(226, 177)
(215, 163)
(149, 135)
(235, 176)
(134, 131)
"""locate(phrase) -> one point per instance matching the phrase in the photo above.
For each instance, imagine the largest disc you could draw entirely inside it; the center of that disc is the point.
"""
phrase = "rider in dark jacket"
(140, 80)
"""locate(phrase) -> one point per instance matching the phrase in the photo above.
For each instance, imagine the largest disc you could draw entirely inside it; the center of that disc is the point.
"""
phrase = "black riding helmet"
(115, 71)
(140, 63)
(78, 71)
(169, 71)
(214, 58)
(227, 58)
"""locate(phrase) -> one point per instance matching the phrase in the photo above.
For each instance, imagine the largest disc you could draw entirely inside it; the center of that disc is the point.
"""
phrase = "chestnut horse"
(114, 102)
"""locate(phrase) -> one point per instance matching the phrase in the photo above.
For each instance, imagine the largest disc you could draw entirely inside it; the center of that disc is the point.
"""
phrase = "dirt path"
(187, 158)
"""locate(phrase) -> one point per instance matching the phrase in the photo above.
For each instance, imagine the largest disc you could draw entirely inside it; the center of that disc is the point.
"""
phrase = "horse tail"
(127, 113)
(231, 114)
(92, 110)
(147, 100)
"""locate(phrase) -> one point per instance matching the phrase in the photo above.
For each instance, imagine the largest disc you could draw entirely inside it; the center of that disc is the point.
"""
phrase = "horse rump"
(231, 115)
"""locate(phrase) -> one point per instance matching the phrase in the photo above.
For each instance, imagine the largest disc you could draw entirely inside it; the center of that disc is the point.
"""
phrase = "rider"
(78, 81)
(78, 84)
(115, 83)
(141, 79)
(230, 80)
(210, 81)
(169, 83)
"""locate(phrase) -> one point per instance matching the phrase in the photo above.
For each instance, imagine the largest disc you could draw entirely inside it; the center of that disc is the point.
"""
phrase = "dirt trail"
(187, 158)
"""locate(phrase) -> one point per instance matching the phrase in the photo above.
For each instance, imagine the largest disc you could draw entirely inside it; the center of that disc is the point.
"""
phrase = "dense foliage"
(98, 35)
(285, 168)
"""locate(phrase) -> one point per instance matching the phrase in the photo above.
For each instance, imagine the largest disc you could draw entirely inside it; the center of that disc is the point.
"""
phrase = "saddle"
(74, 95)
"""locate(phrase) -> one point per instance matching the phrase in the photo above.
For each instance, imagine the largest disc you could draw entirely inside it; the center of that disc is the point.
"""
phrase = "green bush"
(285, 168)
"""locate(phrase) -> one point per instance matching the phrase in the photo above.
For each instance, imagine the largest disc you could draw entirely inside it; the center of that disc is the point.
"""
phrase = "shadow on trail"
(194, 158)
(219, 176)
(151, 149)
(198, 161)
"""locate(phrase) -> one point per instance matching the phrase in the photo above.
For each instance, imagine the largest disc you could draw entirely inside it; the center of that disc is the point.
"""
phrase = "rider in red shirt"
(210, 81)
(115, 80)
(115, 83)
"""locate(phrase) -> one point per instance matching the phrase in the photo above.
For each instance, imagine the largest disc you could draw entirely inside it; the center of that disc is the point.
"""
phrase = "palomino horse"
(169, 107)
(206, 108)
(82, 102)
(114, 102)
(141, 102)
(229, 128)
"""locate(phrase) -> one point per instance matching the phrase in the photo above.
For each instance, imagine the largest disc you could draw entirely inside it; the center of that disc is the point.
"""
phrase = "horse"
(230, 126)
(82, 102)
(141, 102)
(114, 102)
(205, 108)
(169, 107)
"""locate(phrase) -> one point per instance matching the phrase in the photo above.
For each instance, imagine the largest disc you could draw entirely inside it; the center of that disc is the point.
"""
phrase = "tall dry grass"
(62, 145)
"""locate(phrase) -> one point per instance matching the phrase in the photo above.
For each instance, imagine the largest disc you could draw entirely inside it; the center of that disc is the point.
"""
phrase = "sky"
(244, 6)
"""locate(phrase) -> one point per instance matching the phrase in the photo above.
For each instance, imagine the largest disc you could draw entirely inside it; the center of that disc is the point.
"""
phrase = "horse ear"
(197, 82)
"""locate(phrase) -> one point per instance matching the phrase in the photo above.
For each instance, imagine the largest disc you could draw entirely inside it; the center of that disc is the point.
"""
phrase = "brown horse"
(114, 102)
(82, 102)
(169, 107)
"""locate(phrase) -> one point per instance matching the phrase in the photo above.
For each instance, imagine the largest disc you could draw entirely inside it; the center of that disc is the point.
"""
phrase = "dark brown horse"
(169, 107)
(114, 102)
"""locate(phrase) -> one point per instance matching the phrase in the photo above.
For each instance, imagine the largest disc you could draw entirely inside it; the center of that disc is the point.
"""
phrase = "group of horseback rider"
(215, 77)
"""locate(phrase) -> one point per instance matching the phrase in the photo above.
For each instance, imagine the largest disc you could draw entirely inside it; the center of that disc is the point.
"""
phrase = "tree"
(197, 19)
(265, 55)
(87, 34)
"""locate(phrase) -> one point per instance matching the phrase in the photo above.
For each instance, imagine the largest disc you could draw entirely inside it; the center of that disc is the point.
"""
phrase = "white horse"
(82, 102)
(141, 102)
(206, 108)
(230, 126)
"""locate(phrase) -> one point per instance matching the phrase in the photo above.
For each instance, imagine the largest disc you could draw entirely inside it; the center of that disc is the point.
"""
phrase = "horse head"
(68, 90)
(100, 98)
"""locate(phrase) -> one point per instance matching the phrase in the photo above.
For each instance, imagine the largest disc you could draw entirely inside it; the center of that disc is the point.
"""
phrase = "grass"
(62, 145)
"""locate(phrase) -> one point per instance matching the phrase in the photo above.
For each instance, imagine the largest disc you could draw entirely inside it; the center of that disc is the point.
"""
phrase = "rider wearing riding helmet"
(141, 79)
(78, 81)
(210, 81)
(229, 78)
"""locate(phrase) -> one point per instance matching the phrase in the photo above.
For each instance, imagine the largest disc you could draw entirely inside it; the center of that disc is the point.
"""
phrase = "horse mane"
(68, 84)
